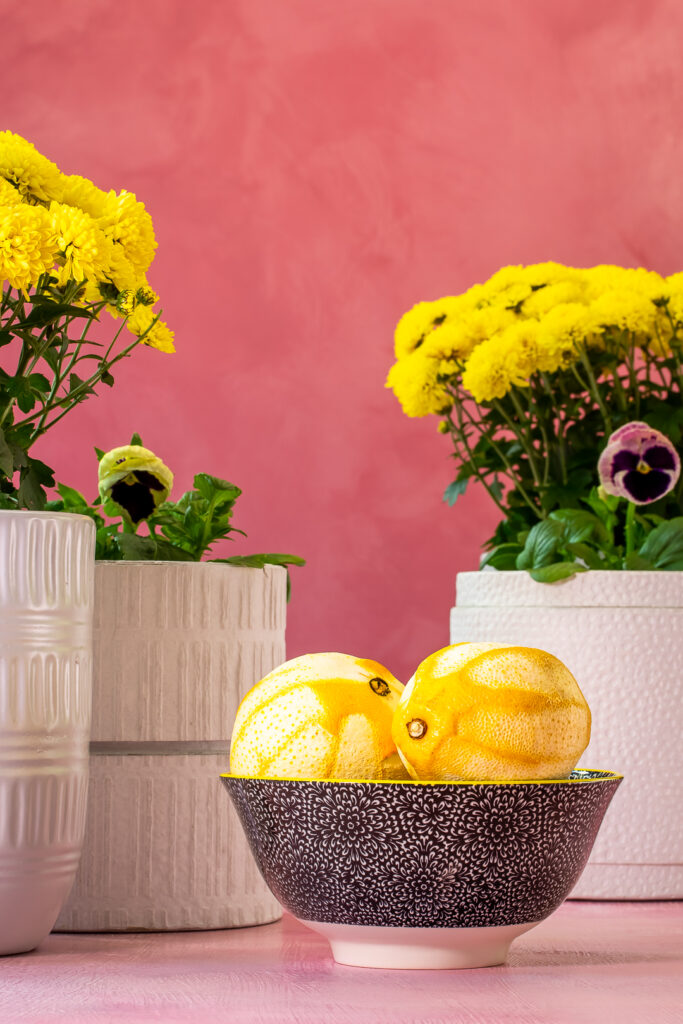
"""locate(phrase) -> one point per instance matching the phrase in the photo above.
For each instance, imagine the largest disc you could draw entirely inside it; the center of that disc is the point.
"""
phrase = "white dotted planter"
(621, 634)
(177, 645)
(46, 602)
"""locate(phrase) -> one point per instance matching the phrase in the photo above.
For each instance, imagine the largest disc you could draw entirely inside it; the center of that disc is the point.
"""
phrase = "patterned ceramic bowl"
(419, 874)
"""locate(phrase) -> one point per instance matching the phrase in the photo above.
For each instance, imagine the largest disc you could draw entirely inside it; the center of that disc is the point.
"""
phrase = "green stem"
(630, 528)
(595, 391)
(514, 479)
(459, 434)
(560, 427)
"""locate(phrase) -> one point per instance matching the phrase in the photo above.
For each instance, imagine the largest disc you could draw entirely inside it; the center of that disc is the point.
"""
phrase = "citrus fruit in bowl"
(324, 715)
(491, 711)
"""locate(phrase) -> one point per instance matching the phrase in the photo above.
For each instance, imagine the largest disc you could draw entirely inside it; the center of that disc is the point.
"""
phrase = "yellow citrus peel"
(319, 716)
(491, 711)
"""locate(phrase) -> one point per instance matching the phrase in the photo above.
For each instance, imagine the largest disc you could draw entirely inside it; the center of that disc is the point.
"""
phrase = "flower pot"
(621, 634)
(46, 602)
(176, 646)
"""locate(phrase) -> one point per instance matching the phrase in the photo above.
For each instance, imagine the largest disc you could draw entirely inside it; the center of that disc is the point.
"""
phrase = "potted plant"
(178, 641)
(68, 253)
(560, 391)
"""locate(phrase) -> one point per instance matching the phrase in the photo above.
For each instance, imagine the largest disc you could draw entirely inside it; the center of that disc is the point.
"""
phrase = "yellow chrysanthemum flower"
(127, 222)
(506, 360)
(486, 375)
(519, 348)
(414, 381)
(544, 299)
(159, 335)
(607, 278)
(562, 333)
(146, 295)
(511, 285)
(414, 325)
(623, 309)
(122, 273)
(81, 192)
(9, 195)
(84, 252)
(457, 339)
(547, 274)
(36, 178)
(27, 245)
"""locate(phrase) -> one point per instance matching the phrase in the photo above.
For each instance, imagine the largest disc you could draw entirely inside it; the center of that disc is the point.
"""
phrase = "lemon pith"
(491, 711)
(322, 715)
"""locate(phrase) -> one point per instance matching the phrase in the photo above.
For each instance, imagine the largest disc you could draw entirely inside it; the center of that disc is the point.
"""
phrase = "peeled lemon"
(491, 711)
(319, 716)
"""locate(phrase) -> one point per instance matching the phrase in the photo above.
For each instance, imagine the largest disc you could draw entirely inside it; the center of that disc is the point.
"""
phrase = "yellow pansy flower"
(135, 480)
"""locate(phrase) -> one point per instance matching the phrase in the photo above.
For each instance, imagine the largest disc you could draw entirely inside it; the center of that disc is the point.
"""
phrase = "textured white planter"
(46, 602)
(177, 645)
(621, 634)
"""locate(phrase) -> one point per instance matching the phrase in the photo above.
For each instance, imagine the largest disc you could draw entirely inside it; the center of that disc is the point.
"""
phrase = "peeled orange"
(319, 716)
(491, 711)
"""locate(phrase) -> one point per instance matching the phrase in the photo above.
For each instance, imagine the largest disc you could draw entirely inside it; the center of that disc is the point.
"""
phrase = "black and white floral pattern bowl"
(422, 874)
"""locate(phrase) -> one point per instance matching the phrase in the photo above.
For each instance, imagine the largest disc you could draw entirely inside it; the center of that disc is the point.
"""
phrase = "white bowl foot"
(419, 948)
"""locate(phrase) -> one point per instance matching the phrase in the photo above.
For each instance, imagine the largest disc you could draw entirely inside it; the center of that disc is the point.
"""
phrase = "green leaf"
(541, 544)
(6, 338)
(636, 561)
(586, 554)
(135, 439)
(496, 489)
(170, 552)
(45, 312)
(39, 382)
(100, 454)
(247, 561)
(71, 497)
(258, 561)
(556, 572)
(580, 525)
(77, 384)
(6, 459)
(212, 487)
(31, 494)
(503, 557)
(454, 490)
(135, 548)
(664, 546)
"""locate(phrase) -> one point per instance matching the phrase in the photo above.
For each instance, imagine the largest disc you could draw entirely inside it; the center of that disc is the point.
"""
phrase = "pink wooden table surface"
(590, 963)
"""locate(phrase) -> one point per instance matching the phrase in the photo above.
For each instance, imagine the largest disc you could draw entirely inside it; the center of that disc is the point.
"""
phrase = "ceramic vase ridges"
(621, 635)
(177, 646)
(46, 602)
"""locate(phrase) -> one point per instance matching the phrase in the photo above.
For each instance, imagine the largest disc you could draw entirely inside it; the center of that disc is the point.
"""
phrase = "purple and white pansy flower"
(639, 464)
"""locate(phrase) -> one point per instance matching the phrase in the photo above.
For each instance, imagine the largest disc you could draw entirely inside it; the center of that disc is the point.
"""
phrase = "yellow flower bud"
(135, 480)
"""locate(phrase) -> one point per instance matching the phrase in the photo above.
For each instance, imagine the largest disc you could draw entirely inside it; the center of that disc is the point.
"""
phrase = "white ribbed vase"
(621, 635)
(177, 645)
(46, 603)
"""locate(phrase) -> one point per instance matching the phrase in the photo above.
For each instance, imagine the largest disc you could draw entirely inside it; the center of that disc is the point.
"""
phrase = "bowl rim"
(604, 776)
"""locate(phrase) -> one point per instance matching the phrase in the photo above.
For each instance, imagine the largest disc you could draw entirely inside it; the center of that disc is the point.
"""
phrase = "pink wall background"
(314, 168)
